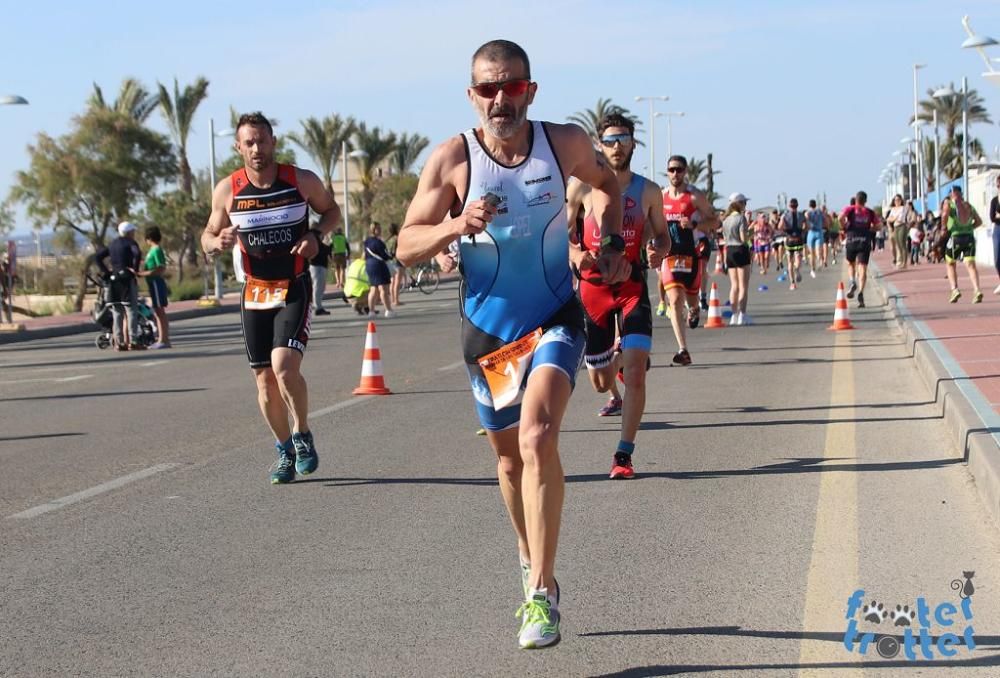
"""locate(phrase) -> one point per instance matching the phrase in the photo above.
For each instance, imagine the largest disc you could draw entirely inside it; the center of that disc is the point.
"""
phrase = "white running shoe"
(734, 320)
(812, 273)
(372, 315)
(390, 314)
(997, 290)
(539, 621)
(739, 318)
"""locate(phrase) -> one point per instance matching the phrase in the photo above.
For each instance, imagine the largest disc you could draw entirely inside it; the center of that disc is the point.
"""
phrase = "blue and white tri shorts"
(561, 347)
(814, 239)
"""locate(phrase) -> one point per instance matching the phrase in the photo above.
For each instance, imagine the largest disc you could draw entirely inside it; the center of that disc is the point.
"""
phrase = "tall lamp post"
(980, 43)
(652, 131)
(212, 134)
(344, 155)
(945, 92)
(669, 116)
(912, 155)
(918, 147)
(11, 100)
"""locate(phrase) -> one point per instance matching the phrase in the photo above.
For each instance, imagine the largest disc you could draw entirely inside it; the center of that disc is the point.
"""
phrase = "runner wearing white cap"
(736, 233)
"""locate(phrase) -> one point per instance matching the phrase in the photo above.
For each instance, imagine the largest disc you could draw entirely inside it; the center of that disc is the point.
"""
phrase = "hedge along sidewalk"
(80, 323)
(956, 348)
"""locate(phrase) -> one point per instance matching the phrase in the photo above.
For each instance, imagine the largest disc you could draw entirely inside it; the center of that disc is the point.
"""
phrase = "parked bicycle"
(426, 277)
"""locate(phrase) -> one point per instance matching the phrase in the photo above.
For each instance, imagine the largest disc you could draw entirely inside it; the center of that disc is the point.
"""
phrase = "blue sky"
(789, 96)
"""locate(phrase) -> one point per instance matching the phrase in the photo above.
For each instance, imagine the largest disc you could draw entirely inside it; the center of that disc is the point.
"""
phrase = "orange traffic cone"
(718, 261)
(714, 320)
(841, 320)
(372, 381)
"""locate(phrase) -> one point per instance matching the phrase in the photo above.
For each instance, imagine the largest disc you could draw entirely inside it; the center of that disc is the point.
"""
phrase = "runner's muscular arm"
(576, 207)
(219, 233)
(321, 202)
(709, 218)
(656, 222)
(426, 229)
(575, 152)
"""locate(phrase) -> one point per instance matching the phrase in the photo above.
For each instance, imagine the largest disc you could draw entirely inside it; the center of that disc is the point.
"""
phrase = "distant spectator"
(897, 222)
(123, 290)
(916, 237)
(341, 253)
(396, 270)
(318, 268)
(377, 267)
(995, 220)
(153, 269)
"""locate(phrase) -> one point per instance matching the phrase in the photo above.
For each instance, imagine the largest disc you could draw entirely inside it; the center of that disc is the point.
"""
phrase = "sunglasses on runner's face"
(512, 88)
(675, 169)
(610, 140)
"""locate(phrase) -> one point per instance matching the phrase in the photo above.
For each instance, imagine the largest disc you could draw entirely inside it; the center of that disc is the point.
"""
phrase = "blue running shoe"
(306, 459)
(283, 469)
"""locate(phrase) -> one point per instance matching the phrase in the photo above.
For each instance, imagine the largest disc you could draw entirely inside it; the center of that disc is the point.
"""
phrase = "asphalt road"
(787, 467)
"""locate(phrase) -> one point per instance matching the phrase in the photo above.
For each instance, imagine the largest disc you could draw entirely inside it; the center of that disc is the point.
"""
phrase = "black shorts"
(603, 306)
(285, 327)
(737, 256)
(858, 249)
(960, 247)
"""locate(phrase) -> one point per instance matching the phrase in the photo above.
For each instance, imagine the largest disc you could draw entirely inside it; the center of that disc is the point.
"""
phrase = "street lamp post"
(669, 116)
(11, 100)
(652, 131)
(965, 136)
(979, 43)
(917, 139)
(912, 156)
(344, 155)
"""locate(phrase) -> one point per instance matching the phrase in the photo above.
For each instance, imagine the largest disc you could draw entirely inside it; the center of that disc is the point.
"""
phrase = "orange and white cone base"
(718, 263)
(714, 320)
(372, 380)
(841, 318)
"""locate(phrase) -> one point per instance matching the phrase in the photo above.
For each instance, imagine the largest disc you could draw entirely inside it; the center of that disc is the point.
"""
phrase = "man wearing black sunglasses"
(681, 271)
(625, 305)
(500, 190)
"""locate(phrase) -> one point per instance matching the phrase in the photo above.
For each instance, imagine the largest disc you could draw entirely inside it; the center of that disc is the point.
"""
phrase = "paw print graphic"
(875, 612)
(903, 616)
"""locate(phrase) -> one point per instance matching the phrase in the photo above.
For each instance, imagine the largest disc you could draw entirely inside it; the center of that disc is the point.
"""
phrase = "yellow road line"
(833, 569)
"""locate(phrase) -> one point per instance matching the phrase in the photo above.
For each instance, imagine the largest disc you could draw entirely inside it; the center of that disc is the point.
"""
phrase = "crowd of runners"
(554, 240)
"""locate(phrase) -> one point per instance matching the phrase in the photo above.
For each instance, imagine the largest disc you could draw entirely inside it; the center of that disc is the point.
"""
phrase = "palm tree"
(178, 111)
(590, 118)
(949, 110)
(407, 151)
(322, 140)
(696, 171)
(134, 100)
(376, 149)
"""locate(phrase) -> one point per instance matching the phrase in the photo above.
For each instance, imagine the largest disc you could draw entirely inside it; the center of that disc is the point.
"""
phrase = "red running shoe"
(621, 467)
(614, 407)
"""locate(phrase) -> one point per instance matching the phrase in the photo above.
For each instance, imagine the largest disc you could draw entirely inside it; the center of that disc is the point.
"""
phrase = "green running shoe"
(539, 621)
(306, 459)
(283, 469)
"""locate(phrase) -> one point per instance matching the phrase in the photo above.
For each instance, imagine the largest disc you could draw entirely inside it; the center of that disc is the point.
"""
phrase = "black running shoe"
(704, 302)
(852, 290)
(694, 316)
(682, 358)
(861, 300)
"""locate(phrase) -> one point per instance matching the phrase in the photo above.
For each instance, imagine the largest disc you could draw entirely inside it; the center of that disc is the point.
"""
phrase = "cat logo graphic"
(629, 202)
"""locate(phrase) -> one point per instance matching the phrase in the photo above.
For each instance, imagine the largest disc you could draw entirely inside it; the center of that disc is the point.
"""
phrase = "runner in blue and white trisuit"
(501, 189)
(814, 236)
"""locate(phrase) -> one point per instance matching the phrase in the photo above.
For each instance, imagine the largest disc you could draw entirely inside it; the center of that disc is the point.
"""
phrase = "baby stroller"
(102, 316)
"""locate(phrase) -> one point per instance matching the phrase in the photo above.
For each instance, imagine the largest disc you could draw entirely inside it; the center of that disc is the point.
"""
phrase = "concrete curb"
(974, 435)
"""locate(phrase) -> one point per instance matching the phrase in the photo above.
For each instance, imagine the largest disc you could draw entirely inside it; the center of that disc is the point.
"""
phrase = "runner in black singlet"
(264, 207)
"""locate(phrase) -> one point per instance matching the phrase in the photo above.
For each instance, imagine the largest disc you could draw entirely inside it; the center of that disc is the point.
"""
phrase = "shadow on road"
(663, 425)
(40, 436)
(113, 394)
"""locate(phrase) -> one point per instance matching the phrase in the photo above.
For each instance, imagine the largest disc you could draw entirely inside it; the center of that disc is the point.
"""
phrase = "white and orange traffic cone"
(714, 320)
(718, 261)
(841, 319)
(372, 381)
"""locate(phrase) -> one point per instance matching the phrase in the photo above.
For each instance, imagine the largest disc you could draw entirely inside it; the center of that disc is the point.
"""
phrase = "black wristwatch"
(614, 242)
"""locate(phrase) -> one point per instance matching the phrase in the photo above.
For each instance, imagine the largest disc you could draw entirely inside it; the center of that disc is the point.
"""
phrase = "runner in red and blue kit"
(624, 307)
(859, 223)
(680, 272)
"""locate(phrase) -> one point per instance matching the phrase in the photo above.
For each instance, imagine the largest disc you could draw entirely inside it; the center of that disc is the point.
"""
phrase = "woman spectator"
(396, 270)
(736, 234)
(897, 222)
(153, 269)
(995, 220)
(377, 267)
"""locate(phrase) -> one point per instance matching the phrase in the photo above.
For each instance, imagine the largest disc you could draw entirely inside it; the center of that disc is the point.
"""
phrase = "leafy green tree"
(94, 176)
(393, 194)
(134, 100)
(6, 219)
(377, 148)
(590, 118)
(322, 140)
(178, 111)
(697, 171)
(949, 110)
(408, 149)
(181, 217)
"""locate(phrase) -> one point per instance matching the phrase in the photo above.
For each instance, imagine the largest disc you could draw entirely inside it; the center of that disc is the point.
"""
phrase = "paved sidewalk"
(957, 349)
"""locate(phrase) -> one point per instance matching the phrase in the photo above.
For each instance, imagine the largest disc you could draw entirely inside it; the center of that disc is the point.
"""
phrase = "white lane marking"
(224, 349)
(355, 323)
(451, 366)
(91, 492)
(450, 304)
(342, 405)
(154, 363)
(57, 380)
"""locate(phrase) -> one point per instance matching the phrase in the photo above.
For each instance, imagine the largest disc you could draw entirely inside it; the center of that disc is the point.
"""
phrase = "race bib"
(262, 295)
(504, 369)
(680, 264)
